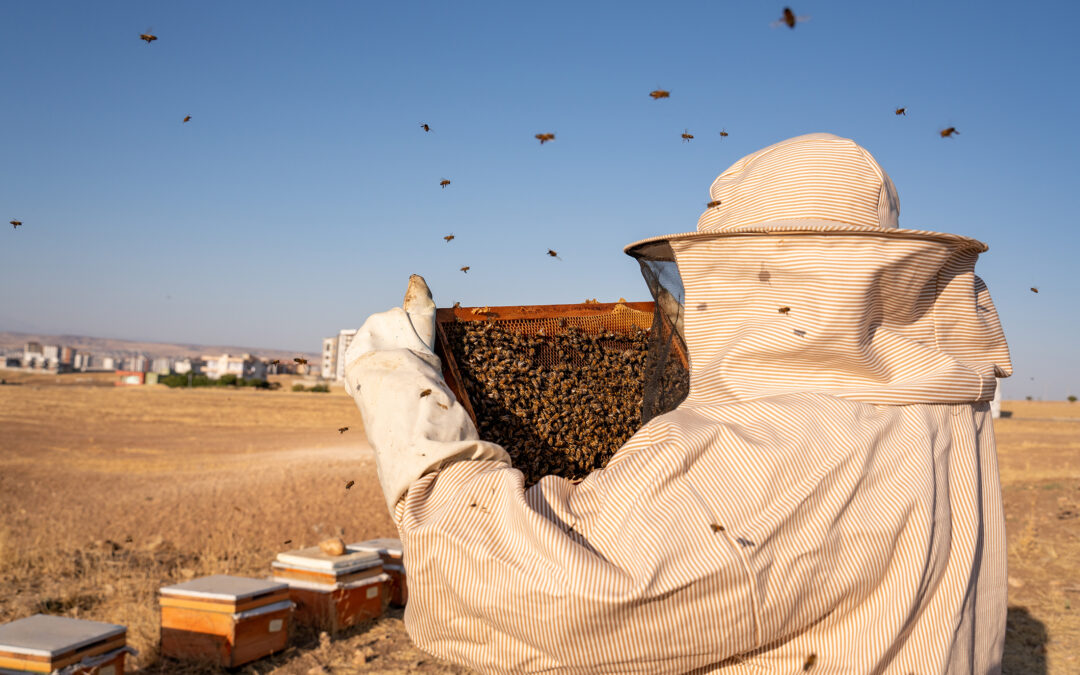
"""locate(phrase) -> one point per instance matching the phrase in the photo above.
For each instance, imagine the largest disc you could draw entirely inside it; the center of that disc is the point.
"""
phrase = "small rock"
(332, 546)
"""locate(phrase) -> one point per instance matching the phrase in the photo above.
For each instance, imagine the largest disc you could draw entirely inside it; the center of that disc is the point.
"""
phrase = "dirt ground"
(108, 493)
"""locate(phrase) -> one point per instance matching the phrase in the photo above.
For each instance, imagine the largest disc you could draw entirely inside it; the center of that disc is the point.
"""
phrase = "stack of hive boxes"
(390, 552)
(46, 644)
(333, 592)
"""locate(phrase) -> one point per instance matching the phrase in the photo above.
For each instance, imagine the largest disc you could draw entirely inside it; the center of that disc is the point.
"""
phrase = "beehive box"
(44, 644)
(333, 592)
(390, 552)
(224, 620)
(559, 386)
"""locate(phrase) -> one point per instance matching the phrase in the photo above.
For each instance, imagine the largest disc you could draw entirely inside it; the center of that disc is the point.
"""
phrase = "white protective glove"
(389, 366)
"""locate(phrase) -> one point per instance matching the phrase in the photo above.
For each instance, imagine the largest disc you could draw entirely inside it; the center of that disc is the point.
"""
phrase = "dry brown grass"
(109, 493)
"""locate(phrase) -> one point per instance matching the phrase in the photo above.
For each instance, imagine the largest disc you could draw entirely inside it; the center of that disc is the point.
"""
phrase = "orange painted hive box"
(390, 552)
(223, 620)
(44, 644)
(332, 592)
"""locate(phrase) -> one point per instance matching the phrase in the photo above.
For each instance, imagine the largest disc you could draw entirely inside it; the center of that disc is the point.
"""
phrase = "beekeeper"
(825, 499)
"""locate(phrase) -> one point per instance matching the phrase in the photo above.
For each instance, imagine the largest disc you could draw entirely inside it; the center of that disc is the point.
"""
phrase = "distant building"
(108, 363)
(130, 378)
(333, 354)
(185, 366)
(162, 365)
(83, 361)
(245, 366)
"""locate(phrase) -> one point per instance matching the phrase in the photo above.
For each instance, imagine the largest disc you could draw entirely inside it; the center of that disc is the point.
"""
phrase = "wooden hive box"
(224, 620)
(390, 551)
(44, 644)
(333, 592)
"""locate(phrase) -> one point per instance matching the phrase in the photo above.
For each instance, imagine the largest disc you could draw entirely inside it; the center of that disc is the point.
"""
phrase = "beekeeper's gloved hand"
(411, 417)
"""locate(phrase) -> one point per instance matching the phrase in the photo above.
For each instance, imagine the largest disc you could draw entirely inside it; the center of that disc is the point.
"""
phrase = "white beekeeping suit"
(826, 497)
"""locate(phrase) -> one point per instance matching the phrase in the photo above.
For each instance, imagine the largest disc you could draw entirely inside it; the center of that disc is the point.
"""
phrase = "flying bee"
(286, 542)
(300, 360)
(945, 133)
(723, 134)
(187, 118)
(443, 405)
(275, 362)
(789, 19)
(342, 430)
(425, 127)
(350, 484)
(901, 111)
(448, 238)
(553, 254)
(466, 269)
(713, 204)
(1034, 289)
(444, 182)
(784, 310)
(426, 392)
(810, 661)
(15, 223)
(687, 136)
(659, 94)
(544, 138)
(148, 37)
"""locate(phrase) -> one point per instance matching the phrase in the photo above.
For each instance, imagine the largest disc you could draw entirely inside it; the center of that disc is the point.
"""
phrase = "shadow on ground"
(1025, 644)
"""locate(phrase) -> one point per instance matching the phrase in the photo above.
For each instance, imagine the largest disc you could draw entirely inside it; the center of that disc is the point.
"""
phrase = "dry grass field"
(108, 493)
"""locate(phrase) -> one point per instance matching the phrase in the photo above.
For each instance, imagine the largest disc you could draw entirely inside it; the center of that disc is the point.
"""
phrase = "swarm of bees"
(15, 223)
(687, 136)
(425, 127)
(444, 182)
(788, 19)
(466, 269)
(947, 132)
(148, 37)
(901, 111)
(544, 138)
(658, 94)
(449, 238)
(559, 404)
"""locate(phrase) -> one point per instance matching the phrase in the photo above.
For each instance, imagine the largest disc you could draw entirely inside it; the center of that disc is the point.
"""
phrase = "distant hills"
(12, 341)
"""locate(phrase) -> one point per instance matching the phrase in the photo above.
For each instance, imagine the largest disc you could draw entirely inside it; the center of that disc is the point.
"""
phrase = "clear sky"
(303, 191)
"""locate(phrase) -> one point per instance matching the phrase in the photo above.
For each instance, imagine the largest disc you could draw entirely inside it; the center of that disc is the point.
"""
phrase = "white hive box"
(393, 563)
(333, 592)
(43, 644)
(224, 620)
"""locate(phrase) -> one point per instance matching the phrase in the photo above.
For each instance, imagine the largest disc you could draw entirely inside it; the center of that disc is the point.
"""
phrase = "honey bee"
(442, 405)
(544, 138)
(300, 360)
(426, 392)
(425, 127)
(713, 204)
(286, 542)
(350, 484)
(553, 254)
(810, 661)
(148, 37)
(716, 528)
(444, 182)
(342, 430)
(448, 238)
(784, 310)
(659, 94)
(901, 111)
(723, 134)
(945, 133)
(275, 362)
(187, 118)
(466, 269)
(687, 136)
(457, 305)
(1034, 289)
(15, 223)
(789, 19)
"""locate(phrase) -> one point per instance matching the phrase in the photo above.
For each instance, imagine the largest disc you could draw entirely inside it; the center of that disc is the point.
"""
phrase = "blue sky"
(303, 192)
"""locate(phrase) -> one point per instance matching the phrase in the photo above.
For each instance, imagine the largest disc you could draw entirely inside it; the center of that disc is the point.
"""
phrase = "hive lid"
(223, 587)
(51, 636)
(390, 547)
(314, 559)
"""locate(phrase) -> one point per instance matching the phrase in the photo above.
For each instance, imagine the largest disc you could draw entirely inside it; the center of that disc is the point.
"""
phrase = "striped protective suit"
(825, 500)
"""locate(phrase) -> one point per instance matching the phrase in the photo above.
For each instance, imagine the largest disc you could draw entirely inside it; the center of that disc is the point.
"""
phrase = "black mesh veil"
(667, 374)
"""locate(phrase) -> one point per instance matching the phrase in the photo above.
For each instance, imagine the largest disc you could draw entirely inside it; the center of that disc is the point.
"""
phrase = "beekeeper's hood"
(800, 279)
